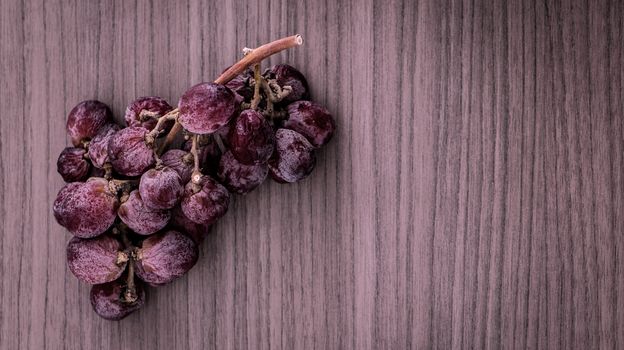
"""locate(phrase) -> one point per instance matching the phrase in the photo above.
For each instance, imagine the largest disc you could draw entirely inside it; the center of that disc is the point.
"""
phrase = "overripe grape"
(107, 300)
(180, 161)
(72, 164)
(96, 260)
(289, 76)
(310, 120)
(206, 107)
(86, 119)
(179, 221)
(128, 152)
(98, 147)
(251, 138)
(152, 104)
(161, 188)
(293, 158)
(86, 209)
(165, 256)
(206, 201)
(140, 218)
(238, 177)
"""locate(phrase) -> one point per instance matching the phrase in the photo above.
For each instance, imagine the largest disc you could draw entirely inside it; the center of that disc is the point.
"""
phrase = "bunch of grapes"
(138, 208)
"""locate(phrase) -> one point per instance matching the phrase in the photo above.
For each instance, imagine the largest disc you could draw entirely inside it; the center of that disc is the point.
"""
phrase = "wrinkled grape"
(205, 202)
(310, 120)
(108, 303)
(251, 138)
(179, 221)
(98, 147)
(153, 104)
(293, 158)
(140, 218)
(72, 164)
(238, 177)
(96, 260)
(161, 188)
(289, 76)
(206, 107)
(86, 209)
(180, 161)
(85, 120)
(129, 153)
(165, 256)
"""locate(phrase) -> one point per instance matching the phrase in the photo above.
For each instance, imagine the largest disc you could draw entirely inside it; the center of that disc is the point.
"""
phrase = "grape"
(238, 177)
(153, 104)
(98, 147)
(165, 256)
(96, 260)
(86, 209)
(129, 153)
(141, 219)
(72, 164)
(161, 188)
(288, 75)
(86, 119)
(241, 85)
(251, 138)
(205, 202)
(310, 120)
(293, 158)
(179, 221)
(206, 107)
(108, 302)
(180, 161)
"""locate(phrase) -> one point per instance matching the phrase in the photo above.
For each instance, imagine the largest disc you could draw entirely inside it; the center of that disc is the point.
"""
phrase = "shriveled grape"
(161, 188)
(155, 105)
(98, 147)
(96, 260)
(85, 120)
(108, 302)
(165, 256)
(206, 201)
(180, 161)
(128, 152)
(140, 218)
(293, 158)
(238, 177)
(310, 120)
(206, 107)
(72, 164)
(251, 138)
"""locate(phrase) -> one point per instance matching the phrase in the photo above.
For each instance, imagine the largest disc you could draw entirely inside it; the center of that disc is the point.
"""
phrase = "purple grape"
(140, 218)
(180, 161)
(72, 164)
(205, 202)
(310, 120)
(108, 302)
(238, 177)
(293, 158)
(179, 221)
(289, 76)
(251, 138)
(98, 147)
(86, 209)
(161, 188)
(153, 104)
(128, 152)
(206, 107)
(96, 260)
(165, 256)
(85, 120)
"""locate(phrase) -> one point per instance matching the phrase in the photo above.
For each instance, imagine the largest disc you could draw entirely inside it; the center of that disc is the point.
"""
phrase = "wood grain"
(472, 198)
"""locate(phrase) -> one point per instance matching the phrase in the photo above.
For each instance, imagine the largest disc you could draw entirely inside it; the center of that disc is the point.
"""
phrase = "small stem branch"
(258, 82)
(130, 295)
(196, 175)
(151, 136)
(170, 137)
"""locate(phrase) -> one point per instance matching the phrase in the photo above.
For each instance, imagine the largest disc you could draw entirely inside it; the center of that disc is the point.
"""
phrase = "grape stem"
(257, 83)
(151, 136)
(196, 175)
(252, 56)
(130, 294)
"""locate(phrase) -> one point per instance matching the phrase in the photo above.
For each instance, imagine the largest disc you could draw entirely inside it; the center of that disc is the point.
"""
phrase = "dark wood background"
(473, 196)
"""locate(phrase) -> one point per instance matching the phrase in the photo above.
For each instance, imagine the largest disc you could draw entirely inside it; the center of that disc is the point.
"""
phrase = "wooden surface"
(473, 196)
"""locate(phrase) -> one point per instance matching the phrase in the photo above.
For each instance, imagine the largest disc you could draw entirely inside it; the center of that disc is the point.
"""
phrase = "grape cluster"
(138, 208)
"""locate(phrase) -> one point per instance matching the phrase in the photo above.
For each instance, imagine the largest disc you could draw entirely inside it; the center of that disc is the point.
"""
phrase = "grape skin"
(179, 221)
(180, 161)
(98, 147)
(251, 138)
(165, 256)
(293, 158)
(72, 164)
(312, 121)
(238, 177)
(161, 188)
(140, 218)
(95, 260)
(129, 153)
(85, 120)
(206, 205)
(206, 107)
(86, 209)
(152, 104)
(107, 303)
